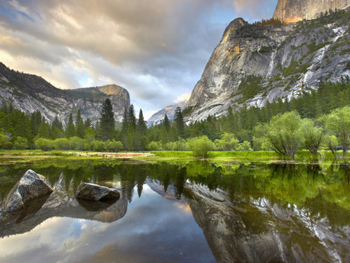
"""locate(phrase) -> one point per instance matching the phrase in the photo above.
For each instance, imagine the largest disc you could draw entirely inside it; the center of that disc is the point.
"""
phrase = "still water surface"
(197, 212)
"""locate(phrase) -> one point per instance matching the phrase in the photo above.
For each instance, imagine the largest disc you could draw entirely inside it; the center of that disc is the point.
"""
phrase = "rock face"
(96, 192)
(256, 64)
(30, 93)
(296, 10)
(29, 187)
(169, 111)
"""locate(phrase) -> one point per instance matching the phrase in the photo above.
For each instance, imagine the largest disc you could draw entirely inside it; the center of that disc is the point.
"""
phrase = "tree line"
(241, 129)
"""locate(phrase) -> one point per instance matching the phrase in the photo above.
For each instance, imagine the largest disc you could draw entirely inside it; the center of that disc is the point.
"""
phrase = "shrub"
(75, 143)
(155, 146)
(114, 146)
(20, 143)
(60, 143)
(200, 146)
(43, 144)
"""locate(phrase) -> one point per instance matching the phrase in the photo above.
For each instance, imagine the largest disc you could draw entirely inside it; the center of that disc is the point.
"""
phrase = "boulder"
(96, 192)
(29, 187)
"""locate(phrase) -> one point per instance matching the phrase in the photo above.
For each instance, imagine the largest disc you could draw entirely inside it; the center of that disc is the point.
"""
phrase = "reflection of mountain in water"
(58, 204)
(170, 192)
(248, 230)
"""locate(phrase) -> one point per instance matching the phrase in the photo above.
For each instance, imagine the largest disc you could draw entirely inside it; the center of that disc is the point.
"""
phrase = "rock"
(296, 10)
(29, 187)
(252, 65)
(157, 118)
(96, 192)
(29, 93)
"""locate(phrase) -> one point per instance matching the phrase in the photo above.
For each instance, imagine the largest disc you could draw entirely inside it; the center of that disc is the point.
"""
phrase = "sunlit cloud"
(183, 98)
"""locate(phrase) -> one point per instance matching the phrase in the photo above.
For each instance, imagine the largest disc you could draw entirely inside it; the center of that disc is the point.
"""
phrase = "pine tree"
(132, 118)
(166, 123)
(70, 129)
(80, 127)
(125, 126)
(179, 122)
(107, 121)
(87, 123)
(141, 125)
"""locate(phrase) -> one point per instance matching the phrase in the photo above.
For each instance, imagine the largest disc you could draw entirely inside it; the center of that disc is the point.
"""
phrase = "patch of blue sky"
(222, 16)
(14, 14)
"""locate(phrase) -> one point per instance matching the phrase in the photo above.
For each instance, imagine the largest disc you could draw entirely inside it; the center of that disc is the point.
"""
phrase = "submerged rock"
(29, 187)
(96, 192)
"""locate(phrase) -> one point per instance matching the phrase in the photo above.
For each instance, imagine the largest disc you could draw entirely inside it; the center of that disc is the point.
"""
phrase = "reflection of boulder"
(29, 187)
(32, 207)
(96, 205)
(96, 192)
(58, 204)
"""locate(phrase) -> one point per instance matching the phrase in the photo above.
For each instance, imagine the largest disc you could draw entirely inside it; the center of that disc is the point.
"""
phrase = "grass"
(302, 156)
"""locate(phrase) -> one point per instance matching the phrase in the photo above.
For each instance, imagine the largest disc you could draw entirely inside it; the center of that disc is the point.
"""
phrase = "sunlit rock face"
(295, 10)
(30, 93)
(255, 64)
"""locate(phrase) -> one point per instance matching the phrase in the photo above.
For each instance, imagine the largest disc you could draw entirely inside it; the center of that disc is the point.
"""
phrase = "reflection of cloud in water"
(152, 230)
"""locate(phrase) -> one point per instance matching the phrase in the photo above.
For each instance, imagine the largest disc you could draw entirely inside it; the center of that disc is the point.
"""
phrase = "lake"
(181, 212)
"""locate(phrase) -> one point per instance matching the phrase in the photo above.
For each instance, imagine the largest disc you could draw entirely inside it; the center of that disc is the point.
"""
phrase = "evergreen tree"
(166, 123)
(125, 126)
(132, 118)
(70, 129)
(141, 125)
(87, 123)
(179, 122)
(80, 127)
(107, 121)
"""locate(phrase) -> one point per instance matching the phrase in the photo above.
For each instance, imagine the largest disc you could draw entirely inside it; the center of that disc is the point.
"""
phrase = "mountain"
(30, 93)
(169, 111)
(297, 10)
(261, 62)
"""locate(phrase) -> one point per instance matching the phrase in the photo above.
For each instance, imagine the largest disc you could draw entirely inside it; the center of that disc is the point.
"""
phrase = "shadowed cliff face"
(295, 10)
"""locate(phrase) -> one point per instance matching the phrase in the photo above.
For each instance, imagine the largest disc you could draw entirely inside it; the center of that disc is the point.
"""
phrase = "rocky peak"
(111, 89)
(30, 93)
(234, 26)
(291, 11)
(255, 64)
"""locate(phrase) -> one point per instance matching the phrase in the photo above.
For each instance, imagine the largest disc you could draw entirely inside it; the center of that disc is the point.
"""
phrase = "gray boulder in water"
(30, 186)
(96, 192)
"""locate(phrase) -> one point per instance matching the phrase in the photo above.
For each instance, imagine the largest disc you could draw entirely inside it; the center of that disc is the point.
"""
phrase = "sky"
(156, 49)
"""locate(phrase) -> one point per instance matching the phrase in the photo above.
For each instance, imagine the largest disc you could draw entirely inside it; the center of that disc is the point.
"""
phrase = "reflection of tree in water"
(280, 183)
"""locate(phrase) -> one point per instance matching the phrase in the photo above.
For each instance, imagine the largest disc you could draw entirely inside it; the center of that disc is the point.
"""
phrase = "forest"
(316, 119)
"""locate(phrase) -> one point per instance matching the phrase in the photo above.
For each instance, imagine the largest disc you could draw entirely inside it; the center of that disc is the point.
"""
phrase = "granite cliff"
(296, 10)
(30, 93)
(255, 64)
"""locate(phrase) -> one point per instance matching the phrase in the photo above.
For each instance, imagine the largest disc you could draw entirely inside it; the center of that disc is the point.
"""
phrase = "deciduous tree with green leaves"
(284, 133)
(338, 122)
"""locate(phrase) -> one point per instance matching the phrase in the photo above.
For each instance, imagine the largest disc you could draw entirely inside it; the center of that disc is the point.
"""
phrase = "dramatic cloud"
(156, 49)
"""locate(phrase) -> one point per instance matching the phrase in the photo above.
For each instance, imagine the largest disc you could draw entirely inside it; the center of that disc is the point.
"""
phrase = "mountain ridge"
(30, 93)
(254, 64)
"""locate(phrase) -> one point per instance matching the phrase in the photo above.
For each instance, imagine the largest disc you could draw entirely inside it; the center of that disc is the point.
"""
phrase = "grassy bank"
(20, 156)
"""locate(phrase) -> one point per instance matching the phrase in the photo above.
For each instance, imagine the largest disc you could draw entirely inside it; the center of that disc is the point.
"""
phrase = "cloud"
(155, 49)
